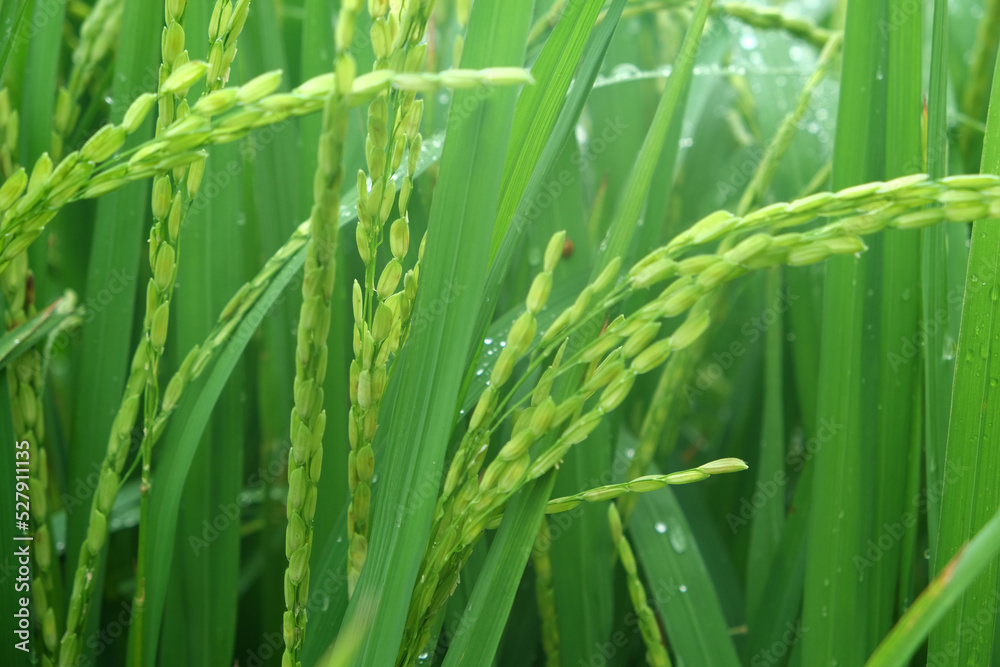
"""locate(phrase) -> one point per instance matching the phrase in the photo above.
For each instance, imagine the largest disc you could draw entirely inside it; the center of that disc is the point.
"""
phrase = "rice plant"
(502, 332)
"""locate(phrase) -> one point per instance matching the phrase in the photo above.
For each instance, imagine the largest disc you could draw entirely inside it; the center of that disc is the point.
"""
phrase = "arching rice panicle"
(649, 627)
(172, 184)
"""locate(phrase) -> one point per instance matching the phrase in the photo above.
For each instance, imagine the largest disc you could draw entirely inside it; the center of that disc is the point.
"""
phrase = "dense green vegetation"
(501, 332)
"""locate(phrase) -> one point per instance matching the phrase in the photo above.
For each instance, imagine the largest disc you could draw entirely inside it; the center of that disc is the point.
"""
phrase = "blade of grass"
(179, 445)
(272, 167)
(779, 610)
(833, 590)
(430, 372)
(898, 370)
(59, 313)
(212, 257)
(37, 111)
(619, 240)
(585, 548)
(539, 107)
(12, 17)
(578, 94)
(679, 583)
(963, 571)
(944, 255)
(476, 642)
(974, 429)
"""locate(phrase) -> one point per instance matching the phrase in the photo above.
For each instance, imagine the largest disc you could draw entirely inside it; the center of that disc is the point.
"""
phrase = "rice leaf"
(539, 108)
(434, 358)
(179, 445)
(899, 370)
(833, 586)
(972, 461)
(678, 582)
(963, 571)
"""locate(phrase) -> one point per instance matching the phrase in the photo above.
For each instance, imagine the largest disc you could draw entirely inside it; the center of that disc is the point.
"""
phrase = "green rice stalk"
(643, 484)
(222, 117)
(778, 147)
(667, 404)
(308, 418)
(649, 627)
(171, 192)
(772, 18)
(98, 38)
(768, 18)
(381, 313)
(25, 383)
(476, 504)
(462, 479)
(545, 594)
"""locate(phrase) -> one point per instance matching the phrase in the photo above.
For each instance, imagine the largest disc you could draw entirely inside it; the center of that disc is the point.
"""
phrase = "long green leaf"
(493, 594)
(899, 370)
(833, 587)
(179, 445)
(59, 313)
(433, 360)
(12, 17)
(974, 429)
(948, 588)
(679, 583)
(539, 108)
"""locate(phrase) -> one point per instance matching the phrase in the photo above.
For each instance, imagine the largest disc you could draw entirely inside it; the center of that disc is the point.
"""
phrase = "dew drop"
(683, 588)
(678, 541)
(661, 527)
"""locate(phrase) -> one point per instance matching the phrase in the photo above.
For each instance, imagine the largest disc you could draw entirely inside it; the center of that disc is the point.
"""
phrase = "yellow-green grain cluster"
(222, 116)
(98, 38)
(25, 383)
(649, 627)
(308, 418)
(173, 186)
(545, 594)
(383, 305)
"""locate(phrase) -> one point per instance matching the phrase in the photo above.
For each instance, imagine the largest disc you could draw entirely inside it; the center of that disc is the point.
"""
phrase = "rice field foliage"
(500, 332)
